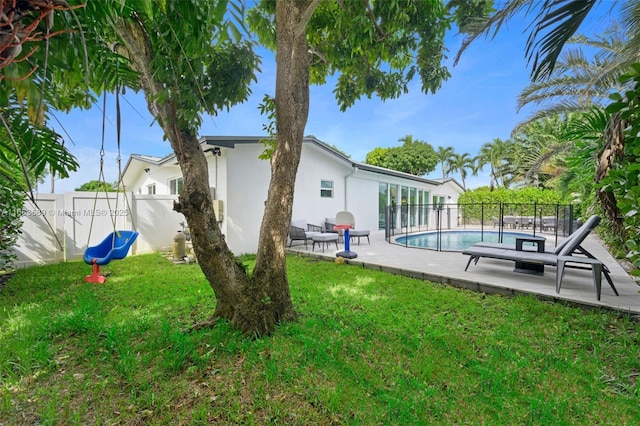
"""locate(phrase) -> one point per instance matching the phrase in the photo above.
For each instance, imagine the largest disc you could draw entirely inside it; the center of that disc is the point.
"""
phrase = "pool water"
(457, 240)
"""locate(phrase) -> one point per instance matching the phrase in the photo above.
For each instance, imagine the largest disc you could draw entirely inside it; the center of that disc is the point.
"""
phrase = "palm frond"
(631, 21)
(557, 21)
(493, 24)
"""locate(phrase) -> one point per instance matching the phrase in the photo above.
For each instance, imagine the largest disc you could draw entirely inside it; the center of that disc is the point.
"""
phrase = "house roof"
(230, 142)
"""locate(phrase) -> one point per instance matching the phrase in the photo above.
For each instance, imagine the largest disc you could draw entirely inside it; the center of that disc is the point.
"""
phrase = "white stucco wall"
(241, 181)
(450, 189)
(137, 180)
(362, 199)
(247, 183)
(156, 221)
(316, 165)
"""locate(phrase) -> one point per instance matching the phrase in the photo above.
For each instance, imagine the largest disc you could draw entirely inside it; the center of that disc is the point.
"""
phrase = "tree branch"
(306, 16)
(319, 54)
(367, 5)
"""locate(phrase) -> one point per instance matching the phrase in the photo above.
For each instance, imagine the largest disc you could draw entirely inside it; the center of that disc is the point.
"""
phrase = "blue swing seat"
(115, 246)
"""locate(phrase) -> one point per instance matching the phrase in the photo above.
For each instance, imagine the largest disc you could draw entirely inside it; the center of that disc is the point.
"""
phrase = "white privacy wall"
(37, 243)
(71, 214)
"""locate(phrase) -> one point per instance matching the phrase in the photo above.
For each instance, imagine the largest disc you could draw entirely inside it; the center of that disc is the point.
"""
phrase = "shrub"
(10, 224)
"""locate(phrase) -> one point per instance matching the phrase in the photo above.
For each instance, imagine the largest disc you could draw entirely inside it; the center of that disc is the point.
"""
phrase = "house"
(327, 182)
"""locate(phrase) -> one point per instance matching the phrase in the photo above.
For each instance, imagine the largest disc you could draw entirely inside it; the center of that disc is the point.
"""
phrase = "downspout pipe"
(346, 181)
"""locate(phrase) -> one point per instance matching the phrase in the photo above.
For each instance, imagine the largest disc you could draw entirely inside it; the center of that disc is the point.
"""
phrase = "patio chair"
(549, 223)
(346, 218)
(329, 224)
(509, 221)
(300, 230)
(524, 222)
(565, 258)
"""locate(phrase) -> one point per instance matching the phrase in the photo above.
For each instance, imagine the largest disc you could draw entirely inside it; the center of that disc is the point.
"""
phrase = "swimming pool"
(457, 240)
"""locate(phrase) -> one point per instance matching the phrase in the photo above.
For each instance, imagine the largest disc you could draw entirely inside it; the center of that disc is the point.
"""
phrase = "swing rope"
(119, 161)
(101, 177)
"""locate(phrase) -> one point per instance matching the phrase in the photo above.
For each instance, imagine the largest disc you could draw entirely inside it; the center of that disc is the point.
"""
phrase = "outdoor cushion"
(355, 233)
(323, 239)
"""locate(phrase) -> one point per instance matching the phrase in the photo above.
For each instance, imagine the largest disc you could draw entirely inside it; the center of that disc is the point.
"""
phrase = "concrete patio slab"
(497, 276)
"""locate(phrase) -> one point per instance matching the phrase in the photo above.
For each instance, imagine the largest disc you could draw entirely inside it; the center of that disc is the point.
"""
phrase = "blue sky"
(476, 105)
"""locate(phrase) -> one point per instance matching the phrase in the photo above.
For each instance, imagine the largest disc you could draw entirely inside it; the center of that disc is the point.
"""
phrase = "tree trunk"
(254, 305)
(613, 150)
(292, 110)
(226, 276)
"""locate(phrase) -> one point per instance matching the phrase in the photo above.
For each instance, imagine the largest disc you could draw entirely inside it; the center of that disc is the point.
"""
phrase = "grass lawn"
(368, 348)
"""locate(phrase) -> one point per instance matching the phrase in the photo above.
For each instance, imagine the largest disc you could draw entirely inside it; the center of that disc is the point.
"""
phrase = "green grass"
(368, 348)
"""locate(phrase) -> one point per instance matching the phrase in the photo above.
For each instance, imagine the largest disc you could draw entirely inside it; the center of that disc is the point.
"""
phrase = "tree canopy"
(377, 48)
(97, 185)
(415, 157)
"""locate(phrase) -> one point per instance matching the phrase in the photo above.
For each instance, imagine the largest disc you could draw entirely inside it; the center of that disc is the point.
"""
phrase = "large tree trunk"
(254, 305)
(612, 151)
(227, 278)
(292, 110)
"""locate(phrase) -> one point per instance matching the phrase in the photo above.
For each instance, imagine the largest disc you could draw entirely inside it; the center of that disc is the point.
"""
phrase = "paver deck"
(497, 276)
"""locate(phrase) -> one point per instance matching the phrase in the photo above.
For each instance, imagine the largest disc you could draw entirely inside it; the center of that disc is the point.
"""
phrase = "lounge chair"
(563, 258)
(556, 250)
(300, 230)
(346, 218)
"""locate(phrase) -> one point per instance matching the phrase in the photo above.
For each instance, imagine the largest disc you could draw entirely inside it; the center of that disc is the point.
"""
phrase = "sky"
(476, 105)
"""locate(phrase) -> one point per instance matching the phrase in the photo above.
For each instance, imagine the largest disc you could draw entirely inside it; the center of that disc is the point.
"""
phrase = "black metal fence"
(552, 220)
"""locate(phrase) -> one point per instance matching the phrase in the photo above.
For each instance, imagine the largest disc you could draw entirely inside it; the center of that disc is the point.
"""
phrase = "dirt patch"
(3, 279)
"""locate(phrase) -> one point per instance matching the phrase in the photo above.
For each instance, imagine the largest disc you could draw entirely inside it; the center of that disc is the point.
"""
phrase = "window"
(175, 186)
(326, 189)
(151, 189)
(404, 205)
(425, 208)
(413, 203)
(383, 202)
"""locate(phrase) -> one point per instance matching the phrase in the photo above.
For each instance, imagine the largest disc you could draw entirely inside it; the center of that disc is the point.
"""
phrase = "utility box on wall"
(218, 209)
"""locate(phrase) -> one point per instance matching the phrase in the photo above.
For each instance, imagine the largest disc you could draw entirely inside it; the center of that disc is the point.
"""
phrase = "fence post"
(482, 221)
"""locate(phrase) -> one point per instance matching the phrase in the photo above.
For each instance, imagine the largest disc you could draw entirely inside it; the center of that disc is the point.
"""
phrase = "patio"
(496, 276)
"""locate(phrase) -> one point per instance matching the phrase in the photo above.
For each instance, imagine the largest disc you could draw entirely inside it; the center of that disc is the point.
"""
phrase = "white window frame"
(324, 190)
(151, 189)
(176, 186)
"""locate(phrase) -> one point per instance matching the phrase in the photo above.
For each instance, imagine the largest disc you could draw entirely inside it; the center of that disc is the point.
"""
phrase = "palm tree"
(462, 163)
(577, 81)
(539, 150)
(554, 23)
(444, 155)
(495, 154)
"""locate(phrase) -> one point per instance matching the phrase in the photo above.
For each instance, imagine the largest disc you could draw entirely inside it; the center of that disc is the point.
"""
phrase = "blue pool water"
(457, 240)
